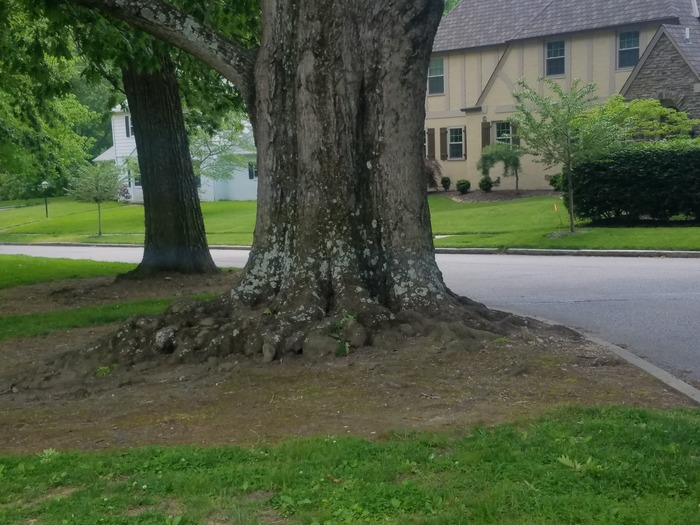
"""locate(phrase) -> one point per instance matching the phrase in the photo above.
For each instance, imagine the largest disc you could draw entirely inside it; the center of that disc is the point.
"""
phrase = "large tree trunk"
(175, 238)
(343, 232)
(342, 207)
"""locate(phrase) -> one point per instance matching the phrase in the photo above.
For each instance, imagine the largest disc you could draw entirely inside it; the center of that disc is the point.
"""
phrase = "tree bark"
(175, 238)
(343, 217)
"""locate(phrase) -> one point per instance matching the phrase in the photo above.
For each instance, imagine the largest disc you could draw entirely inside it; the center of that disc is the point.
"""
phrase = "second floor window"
(436, 76)
(555, 58)
(628, 49)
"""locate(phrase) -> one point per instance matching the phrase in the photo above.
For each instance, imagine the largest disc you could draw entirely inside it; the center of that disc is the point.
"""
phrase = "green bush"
(485, 184)
(557, 182)
(463, 186)
(656, 180)
(446, 182)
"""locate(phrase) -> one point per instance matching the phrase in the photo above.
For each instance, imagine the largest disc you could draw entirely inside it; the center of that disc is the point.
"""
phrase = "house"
(242, 184)
(641, 49)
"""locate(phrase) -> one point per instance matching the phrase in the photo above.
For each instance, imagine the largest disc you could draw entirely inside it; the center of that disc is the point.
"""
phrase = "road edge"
(662, 375)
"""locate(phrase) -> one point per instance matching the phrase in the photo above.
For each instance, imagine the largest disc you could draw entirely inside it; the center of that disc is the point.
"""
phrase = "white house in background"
(242, 186)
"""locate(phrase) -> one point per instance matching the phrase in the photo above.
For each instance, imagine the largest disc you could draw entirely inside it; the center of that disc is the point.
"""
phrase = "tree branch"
(232, 60)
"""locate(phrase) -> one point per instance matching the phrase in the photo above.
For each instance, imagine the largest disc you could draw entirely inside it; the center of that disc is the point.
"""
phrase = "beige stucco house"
(641, 49)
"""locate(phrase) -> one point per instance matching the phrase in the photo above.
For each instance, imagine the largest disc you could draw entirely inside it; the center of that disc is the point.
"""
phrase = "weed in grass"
(104, 371)
(48, 455)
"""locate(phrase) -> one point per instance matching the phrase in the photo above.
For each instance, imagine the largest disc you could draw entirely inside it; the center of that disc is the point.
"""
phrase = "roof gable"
(480, 23)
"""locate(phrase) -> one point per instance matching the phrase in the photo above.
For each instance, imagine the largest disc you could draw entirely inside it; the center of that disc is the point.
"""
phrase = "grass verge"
(30, 325)
(581, 465)
(18, 270)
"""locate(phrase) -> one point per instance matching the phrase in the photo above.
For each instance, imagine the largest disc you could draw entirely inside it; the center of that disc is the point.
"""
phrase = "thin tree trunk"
(570, 195)
(99, 219)
(175, 237)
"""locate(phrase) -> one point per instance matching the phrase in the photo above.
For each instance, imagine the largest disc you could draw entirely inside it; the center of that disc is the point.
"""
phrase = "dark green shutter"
(443, 143)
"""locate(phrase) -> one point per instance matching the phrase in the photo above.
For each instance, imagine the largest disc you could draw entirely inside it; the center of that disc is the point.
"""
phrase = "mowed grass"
(534, 222)
(531, 222)
(228, 223)
(18, 270)
(584, 466)
(31, 325)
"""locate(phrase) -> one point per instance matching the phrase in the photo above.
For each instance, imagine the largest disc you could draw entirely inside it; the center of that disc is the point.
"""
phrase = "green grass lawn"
(579, 466)
(524, 223)
(17, 270)
(30, 325)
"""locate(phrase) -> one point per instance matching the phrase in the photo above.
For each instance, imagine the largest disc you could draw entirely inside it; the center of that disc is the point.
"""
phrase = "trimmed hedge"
(656, 180)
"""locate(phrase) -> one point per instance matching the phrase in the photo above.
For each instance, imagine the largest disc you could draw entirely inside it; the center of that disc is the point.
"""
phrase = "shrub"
(485, 184)
(508, 154)
(557, 182)
(658, 180)
(446, 182)
(463, 186)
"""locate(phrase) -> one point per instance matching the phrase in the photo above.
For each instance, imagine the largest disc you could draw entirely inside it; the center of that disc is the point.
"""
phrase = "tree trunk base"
(148, 271)
(193, 332)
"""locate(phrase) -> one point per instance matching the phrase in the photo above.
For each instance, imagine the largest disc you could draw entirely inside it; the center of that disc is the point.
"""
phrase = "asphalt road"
(651, 306)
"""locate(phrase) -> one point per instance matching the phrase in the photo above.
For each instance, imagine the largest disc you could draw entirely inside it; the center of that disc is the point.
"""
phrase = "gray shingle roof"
(690, 48)
(480, 23)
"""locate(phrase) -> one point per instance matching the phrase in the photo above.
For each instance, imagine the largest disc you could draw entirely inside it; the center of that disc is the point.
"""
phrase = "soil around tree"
(498, 195)
(404, 382)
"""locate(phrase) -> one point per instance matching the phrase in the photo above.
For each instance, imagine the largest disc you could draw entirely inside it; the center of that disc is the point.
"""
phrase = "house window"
(555, 61)
(455, 146)
(628, 49)
(436, 76)
(503, 132)
(252, 170)
(136, 178)
(129, 126)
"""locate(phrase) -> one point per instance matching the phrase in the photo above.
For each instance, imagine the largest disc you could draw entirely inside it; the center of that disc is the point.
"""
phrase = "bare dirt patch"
(416, 383)
(499, 195)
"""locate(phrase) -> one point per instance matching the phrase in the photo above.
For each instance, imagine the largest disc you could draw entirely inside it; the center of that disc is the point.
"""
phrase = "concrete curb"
(443, 251)
(662, 375)
(573, 253)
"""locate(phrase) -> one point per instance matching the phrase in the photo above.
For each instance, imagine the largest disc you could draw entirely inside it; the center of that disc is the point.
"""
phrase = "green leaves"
(97, 183)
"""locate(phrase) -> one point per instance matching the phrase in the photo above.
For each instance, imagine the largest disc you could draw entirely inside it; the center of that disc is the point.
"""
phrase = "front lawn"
(531, 222)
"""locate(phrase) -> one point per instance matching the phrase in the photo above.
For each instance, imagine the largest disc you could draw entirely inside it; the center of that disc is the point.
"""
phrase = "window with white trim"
(455, 143)
(503, 133)
(555, 58)
(627, 49)
(436, 76)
